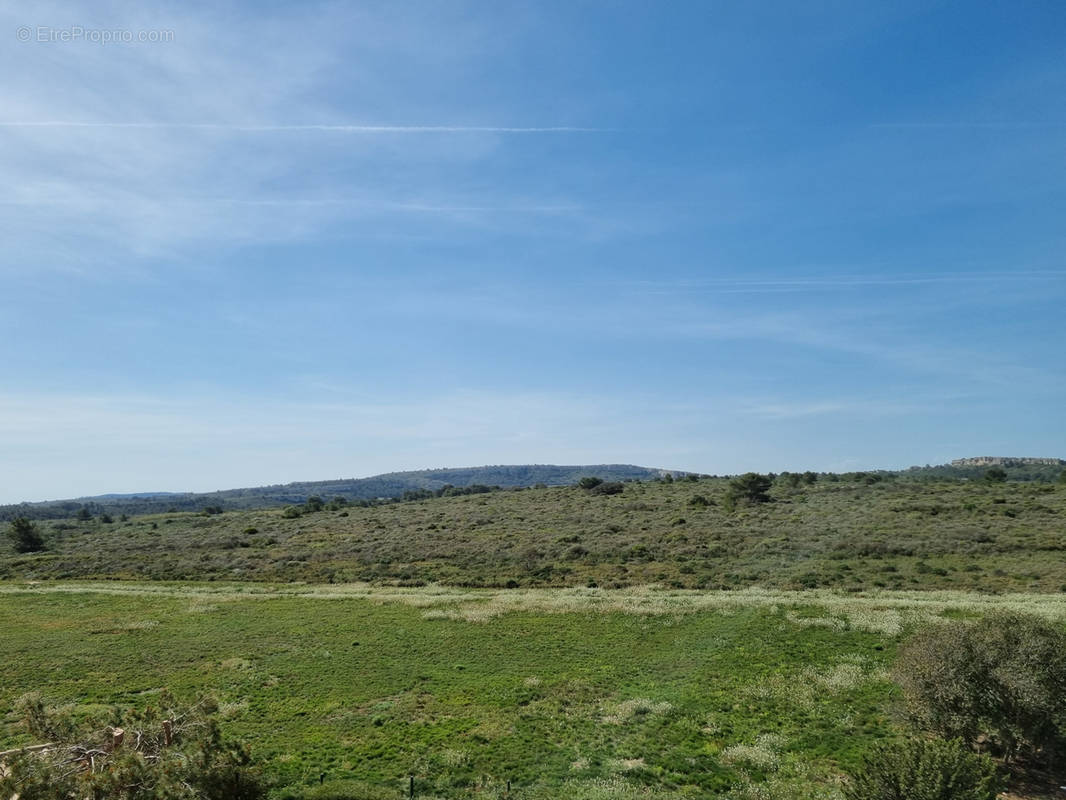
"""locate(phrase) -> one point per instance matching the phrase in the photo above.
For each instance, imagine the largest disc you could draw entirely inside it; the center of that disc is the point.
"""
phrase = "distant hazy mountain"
(392, 484)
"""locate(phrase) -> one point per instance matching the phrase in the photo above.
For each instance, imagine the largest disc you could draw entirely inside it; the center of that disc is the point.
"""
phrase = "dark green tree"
(25, 535)
(791, 479)
(752, 487)
(995, 475)
(589, 482)
(609, 487)
(922, 769)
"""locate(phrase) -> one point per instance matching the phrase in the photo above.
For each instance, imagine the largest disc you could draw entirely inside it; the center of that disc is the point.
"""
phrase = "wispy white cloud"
(963, 125)
(834, 282)
(232, 133)
(865, 408)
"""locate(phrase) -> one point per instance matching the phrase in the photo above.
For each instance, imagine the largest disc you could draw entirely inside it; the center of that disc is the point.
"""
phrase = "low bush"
(159, 752)
(1002, 678)
(924, 770)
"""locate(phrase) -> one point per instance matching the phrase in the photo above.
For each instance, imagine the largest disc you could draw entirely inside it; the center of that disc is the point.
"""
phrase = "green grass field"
(564, 692)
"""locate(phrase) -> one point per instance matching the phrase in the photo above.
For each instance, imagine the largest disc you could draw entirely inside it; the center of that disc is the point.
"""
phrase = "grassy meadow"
(346, 690)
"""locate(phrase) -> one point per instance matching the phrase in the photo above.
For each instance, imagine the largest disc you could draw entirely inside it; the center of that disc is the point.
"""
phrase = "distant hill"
(388, 485)
(1039, 470)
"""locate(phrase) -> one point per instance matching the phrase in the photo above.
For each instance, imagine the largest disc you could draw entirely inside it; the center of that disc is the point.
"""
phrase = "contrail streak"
(974, 125)
(236, 128)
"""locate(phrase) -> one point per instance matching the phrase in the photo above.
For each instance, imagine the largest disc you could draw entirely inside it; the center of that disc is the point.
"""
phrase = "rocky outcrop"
(1006, 461)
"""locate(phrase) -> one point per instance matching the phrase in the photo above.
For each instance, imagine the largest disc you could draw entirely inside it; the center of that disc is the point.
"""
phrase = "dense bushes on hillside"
(846, 533)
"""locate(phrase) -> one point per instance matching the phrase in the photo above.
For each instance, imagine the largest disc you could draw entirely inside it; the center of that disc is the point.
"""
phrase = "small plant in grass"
(922, 769)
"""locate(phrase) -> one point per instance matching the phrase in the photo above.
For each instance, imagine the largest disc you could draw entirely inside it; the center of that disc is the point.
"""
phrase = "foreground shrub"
(159, 753)
(924, 770)
(1003, 677)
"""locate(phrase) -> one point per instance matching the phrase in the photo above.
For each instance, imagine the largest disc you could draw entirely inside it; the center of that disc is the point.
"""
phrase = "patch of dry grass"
(881, 611)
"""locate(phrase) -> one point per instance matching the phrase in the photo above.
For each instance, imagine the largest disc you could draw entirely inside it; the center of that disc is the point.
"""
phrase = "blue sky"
(313, 240)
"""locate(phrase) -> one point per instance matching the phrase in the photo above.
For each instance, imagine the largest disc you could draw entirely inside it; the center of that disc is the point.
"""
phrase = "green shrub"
(589, 482)
(1003, 677)
(924, 770)
(158, 752)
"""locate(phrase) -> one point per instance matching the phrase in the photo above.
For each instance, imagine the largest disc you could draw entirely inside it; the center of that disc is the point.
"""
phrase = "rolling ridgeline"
(947, 527)
(391, 485)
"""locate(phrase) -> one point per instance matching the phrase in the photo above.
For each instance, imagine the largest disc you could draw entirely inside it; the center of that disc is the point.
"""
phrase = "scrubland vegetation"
(857, 532)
